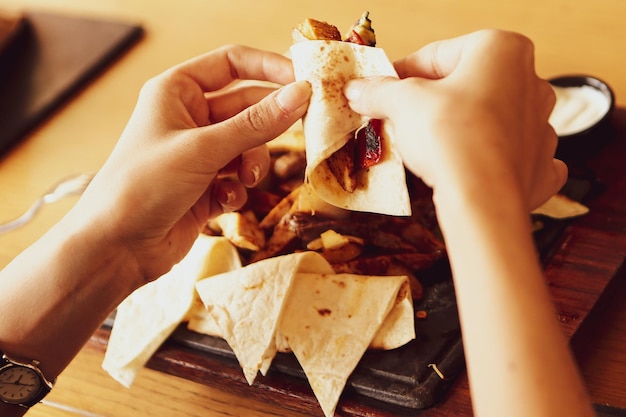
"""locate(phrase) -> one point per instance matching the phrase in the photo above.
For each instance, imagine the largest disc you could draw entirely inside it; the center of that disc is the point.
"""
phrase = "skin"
(477, 131)
(472, 128)
(189, 151)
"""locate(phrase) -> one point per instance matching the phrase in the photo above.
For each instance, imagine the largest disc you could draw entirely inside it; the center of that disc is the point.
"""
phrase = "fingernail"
(256, 173)
(353, 89)
(294, 95)
(229, 197)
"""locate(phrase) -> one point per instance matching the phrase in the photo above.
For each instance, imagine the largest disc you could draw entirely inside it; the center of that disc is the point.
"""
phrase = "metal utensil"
(74, 185)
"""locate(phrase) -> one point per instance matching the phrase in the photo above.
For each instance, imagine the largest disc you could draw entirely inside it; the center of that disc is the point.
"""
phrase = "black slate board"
(414, 376)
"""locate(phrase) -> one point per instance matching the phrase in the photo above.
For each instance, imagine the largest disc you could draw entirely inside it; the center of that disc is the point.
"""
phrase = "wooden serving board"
(581, 258)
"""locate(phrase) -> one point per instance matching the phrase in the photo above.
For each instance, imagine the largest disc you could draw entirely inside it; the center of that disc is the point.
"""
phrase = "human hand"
(192, 146)
(473, 111)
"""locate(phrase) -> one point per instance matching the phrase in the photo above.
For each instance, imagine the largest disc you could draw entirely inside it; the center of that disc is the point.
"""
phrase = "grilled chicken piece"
(283, 240)
(312, 29)
(341, 164)
(240, 229)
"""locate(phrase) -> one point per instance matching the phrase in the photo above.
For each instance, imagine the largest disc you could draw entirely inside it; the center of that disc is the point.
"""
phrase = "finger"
(375, 96)
(227, 104)
(546, 91)
(550, 185)
(552, 140)
(439, 59)
(255, 165)
(550, 174)
(219, 68)
(228, 195)
(561, 173)
(249, 168)
(230, 169)
(434, 61)
(261, 122)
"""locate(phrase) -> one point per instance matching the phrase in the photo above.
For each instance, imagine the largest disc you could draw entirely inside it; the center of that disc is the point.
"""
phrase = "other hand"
(193, 144)
(473, 111)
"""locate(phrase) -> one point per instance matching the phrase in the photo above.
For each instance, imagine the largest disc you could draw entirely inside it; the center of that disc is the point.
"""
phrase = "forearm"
(57, 292)
(513, 345)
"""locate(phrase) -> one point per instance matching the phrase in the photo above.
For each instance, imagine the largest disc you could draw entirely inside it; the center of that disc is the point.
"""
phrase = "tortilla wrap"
(151, 313)
(330, 123)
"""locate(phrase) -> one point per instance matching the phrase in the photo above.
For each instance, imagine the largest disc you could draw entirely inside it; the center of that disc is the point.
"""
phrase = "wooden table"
(571, 36)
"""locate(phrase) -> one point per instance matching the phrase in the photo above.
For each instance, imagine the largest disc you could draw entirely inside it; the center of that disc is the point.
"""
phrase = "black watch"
(22, 384)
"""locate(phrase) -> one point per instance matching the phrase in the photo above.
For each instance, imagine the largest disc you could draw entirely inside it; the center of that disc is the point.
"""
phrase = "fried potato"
(282, 238)
(282, 208)
(241, 229)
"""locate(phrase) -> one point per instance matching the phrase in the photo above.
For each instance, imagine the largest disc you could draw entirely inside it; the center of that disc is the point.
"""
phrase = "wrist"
(491, 190)
(70, 280)
(488, 214)
(94, 236)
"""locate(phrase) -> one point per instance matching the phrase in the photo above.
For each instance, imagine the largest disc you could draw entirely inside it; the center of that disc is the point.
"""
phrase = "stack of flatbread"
(292, 303)
(146, 318)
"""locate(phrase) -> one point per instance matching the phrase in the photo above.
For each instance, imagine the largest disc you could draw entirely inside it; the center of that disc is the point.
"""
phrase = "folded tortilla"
(397, 329)
(560, 206)
(297, 303)
(330, 320)
(247, 303)
(147, 317)
(330, 123)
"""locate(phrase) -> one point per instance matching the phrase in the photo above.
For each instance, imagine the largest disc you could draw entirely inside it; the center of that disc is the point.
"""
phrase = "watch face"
(18, 384)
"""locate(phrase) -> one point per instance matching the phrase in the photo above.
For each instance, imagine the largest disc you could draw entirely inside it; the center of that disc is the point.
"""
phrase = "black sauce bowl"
(578, 145)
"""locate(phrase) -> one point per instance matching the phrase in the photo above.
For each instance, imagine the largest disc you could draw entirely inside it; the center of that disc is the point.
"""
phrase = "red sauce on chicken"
(369, 142)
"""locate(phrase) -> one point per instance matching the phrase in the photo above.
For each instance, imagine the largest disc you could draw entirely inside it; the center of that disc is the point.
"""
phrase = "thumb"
(374, 96)
(549, 184)
(264, 120)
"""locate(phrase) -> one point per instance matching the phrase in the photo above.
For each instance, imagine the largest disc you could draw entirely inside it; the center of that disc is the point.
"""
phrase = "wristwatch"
(22, 384)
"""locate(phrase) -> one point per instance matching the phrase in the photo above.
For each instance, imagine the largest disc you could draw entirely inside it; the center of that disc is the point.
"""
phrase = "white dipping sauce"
(577, 108)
